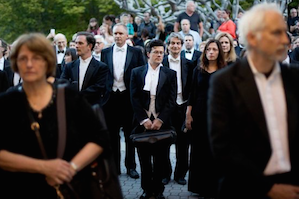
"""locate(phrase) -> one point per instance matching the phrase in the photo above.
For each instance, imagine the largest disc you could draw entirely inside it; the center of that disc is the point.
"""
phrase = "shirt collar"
(125, 46)
(175, 59)
(276, 69)
(86, 60)
(150, 68)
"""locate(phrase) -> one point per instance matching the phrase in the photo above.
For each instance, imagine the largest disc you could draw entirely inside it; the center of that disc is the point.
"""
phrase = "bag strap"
(61, 116)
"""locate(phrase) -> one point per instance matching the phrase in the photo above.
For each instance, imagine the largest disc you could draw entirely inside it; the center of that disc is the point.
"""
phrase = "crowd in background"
(128, 41)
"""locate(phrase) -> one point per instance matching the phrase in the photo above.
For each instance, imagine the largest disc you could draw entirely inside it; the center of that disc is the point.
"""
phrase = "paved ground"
(131, 187)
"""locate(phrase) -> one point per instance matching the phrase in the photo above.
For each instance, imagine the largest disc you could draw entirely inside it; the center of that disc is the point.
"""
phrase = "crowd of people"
(231, 99)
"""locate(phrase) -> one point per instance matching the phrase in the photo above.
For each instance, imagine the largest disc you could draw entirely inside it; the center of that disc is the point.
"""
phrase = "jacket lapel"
(110, 60)
(245, 83)
(89, 72)
(75, 70)
(184, 72)
(161, 81)
(128, 57)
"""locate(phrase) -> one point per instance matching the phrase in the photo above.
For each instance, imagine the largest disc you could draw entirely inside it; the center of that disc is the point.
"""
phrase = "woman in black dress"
(202, 178)
(24, 171)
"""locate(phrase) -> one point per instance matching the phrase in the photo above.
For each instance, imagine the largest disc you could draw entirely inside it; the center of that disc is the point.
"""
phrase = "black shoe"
(133, 173)
(181, 181)
(160, 196)
(165, 181)
(145, 195)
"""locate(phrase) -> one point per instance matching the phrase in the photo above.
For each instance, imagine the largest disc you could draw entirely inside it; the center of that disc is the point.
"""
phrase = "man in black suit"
(253, 113)
(121, 59)
(3, 81)
(153, 95)
(190, 53)
(86, 73)
(184, 69)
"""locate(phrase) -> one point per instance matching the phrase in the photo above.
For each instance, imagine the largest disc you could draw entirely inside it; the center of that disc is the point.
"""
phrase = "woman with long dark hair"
(202, 175)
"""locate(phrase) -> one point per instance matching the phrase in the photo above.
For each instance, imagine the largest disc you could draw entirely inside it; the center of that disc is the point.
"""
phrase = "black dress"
(202, 178)
(16, 136)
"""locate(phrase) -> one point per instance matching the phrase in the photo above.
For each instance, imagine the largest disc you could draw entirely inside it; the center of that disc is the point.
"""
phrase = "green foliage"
(66, 16)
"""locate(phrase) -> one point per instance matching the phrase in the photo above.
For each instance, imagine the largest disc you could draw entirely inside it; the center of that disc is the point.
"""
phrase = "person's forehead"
(188, 38)
(119, 29)
(81, 38)
(158, 48)
(273, 20)
(175, 39)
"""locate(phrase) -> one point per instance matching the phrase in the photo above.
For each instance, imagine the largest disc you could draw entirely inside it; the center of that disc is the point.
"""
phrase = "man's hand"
(148, 125)
(156, 124)
(284, 191)
(188, 121)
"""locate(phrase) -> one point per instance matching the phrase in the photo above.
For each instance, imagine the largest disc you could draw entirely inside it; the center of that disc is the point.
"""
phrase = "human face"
(31, 66)
(61, 43)
(120, 35)
(293, 12)
(185, 25)
(212, 52)
(175, 47)
(296, 43)
(188, 42)
(225, 44)
(271, 41)
(72, 45)
(190, 7)
(67, 58)
(82, 47)
(156, 55)
(93, 23)
(146, 17)
(99, 46)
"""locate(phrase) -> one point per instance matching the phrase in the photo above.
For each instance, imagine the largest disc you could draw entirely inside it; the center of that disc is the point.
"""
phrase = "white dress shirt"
(60, 56)
(96, 56)
(175, 64)
(16, 79)
(189, 55)
(273, 100)
(82, 70)
(119, 61)
(2, 63)
(151, 83)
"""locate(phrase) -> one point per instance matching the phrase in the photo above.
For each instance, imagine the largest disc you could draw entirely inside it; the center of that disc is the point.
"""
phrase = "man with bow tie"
(185, 25)
(190, 53)
(184, 69)
(121, 59)
(60, 42)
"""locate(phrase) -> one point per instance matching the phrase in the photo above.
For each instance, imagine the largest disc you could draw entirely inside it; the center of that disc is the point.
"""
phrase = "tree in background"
(66, 16)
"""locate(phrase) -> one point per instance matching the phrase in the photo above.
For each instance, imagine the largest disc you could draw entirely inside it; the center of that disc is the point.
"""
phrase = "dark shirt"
(151, 28)
(194, 20)
(292, 22)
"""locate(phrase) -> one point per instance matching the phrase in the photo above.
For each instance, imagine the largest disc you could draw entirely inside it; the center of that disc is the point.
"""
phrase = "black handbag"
(167, 136)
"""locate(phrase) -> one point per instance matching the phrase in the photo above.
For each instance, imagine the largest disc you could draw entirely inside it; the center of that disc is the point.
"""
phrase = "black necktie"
(188, 51)
(60, 51)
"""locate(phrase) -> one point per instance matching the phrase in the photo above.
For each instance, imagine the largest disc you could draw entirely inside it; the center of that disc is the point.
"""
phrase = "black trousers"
(152, 159)
(119, 113)
(181, 145)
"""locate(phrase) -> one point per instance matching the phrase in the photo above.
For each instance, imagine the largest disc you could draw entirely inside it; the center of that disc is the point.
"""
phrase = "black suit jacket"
(165, 96)
(134, 59)
(3, 81)
(195, 57)
(238, 130)
(186, 74)
(93, 87)
(59, 67)
(9, 72)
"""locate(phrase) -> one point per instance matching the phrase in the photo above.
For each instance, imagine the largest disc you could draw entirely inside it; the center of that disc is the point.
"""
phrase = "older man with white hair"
(100, 43)
(253, 113)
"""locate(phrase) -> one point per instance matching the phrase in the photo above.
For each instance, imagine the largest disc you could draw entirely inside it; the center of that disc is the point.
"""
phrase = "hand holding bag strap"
(61, 116)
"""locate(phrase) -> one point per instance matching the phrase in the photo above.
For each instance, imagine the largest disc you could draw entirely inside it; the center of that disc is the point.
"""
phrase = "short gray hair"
(120, 24)
(175, 35)
(253, 20)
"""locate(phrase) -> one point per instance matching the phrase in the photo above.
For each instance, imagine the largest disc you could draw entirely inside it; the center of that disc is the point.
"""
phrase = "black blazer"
(93, 87)
(165, 97)
(9, 72)
(134, 59)
(238, 130)
(186, 73)
(59, 67)
(195, 57)
(3, 81)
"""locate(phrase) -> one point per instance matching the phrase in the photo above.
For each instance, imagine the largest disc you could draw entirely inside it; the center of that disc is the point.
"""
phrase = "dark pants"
(152, 159)
(181, 145)
(118, 113)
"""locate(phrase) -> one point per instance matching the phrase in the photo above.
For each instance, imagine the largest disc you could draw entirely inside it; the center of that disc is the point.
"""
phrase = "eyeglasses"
(158, 52)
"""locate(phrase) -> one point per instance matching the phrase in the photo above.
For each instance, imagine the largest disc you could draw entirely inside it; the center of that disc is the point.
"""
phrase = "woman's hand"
(57, 171)
(188, 121)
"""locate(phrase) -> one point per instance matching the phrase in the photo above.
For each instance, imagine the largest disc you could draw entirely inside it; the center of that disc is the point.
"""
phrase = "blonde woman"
(227, 44)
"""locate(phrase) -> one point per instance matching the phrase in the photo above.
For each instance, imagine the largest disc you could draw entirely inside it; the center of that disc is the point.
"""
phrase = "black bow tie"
(188, 51)
(60, 51)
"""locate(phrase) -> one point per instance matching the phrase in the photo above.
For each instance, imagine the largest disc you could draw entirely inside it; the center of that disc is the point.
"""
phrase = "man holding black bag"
(153, 96)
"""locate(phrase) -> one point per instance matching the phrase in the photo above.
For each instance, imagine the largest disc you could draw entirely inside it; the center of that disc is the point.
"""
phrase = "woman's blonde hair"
(38, 44)
(231, 56)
